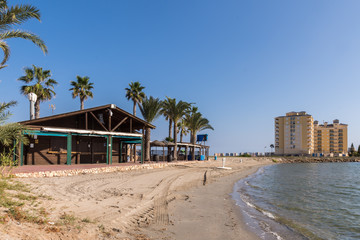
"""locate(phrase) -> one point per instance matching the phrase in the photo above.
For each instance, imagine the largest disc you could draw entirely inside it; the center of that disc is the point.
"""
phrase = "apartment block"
(330, 138)
(294, 134)
(297, 134)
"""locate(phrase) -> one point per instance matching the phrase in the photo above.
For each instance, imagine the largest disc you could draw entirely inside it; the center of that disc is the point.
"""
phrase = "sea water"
(302, 201)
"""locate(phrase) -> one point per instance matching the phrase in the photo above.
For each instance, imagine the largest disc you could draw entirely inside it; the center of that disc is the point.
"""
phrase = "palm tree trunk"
(193, 147)
(170, 136)
(170, 128)
(37, 109)
(81, 104)
(147, 144)
(181, 135)
(134, 108)
(175, 140)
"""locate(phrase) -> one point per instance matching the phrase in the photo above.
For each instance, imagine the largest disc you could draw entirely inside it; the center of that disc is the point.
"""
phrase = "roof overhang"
(90, 132)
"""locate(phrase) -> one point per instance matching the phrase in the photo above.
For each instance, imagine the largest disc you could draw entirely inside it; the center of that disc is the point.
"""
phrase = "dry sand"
(170, 203)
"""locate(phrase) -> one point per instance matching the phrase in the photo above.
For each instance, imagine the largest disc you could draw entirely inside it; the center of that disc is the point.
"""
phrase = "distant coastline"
(281, 159)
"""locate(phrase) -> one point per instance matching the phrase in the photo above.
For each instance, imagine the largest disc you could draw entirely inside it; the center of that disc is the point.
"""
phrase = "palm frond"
(44, 85)
(81, 88)
(6, 50)
(150, 108)
(3, 5)
(24, 35)
(10, 132)
(4, 114)
(17, 15)
(135, 92)
(196, 122)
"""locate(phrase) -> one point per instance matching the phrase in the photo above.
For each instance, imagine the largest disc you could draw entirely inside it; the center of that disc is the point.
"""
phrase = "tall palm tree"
(166, 111)
(43, 87)
(82, 88)
(135, 93)
(195, 123)
(11, 16)
(150, 109)
(177, 111)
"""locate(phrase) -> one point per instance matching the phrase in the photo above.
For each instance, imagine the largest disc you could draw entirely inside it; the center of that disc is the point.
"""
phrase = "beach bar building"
(105, 134)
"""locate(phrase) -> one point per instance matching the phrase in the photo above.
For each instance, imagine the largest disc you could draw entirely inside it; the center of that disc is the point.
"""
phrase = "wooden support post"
(92, 150)
(131, 152)
(163, 153)
(134, 152)
(21, 153)
(68, 149)
(109, 122)
(86, 121)
(121, 148)
(142, 150)
(131, 127)
(110, 148)
(107, 150)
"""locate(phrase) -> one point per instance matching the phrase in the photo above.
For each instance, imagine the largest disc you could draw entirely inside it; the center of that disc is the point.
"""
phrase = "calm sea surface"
(302, 201)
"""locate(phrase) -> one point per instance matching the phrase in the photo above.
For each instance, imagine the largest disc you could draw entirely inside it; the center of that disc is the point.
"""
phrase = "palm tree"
(82, 88)
(14, 16)
(166, 111)
(135, 93)
(150, 109)
(43, 88)
(195, 123)
(177, 111)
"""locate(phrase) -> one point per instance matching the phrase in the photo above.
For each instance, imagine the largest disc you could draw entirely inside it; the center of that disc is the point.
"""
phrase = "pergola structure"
(104, 134)
(204, 150)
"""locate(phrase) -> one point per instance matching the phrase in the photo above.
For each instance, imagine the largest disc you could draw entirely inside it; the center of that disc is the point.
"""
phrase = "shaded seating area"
(157, 155)
(163, 151)
(105, 134)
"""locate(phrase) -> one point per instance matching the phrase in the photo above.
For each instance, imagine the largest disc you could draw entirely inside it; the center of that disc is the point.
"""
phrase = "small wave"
(268, 214)
(249, 204)
(267, 230)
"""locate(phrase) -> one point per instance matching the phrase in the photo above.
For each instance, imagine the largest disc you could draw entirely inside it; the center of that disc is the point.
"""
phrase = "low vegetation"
(17, 203)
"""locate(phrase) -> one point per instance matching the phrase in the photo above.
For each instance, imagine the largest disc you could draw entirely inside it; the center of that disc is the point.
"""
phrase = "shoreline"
(209, 212)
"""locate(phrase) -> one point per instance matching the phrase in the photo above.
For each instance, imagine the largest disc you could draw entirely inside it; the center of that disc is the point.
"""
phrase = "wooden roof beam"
(118, 125)
(101, 124)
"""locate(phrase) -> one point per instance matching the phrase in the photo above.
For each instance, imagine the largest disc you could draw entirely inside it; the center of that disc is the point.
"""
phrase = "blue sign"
(202, 137)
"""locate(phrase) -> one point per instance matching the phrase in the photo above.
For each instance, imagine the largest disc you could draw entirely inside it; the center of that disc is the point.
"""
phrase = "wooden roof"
(116, 120)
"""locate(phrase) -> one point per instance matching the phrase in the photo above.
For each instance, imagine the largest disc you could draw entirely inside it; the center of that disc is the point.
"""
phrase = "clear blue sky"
(242, 62)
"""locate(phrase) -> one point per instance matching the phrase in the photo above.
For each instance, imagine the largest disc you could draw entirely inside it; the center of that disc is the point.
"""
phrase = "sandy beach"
(185, 201)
